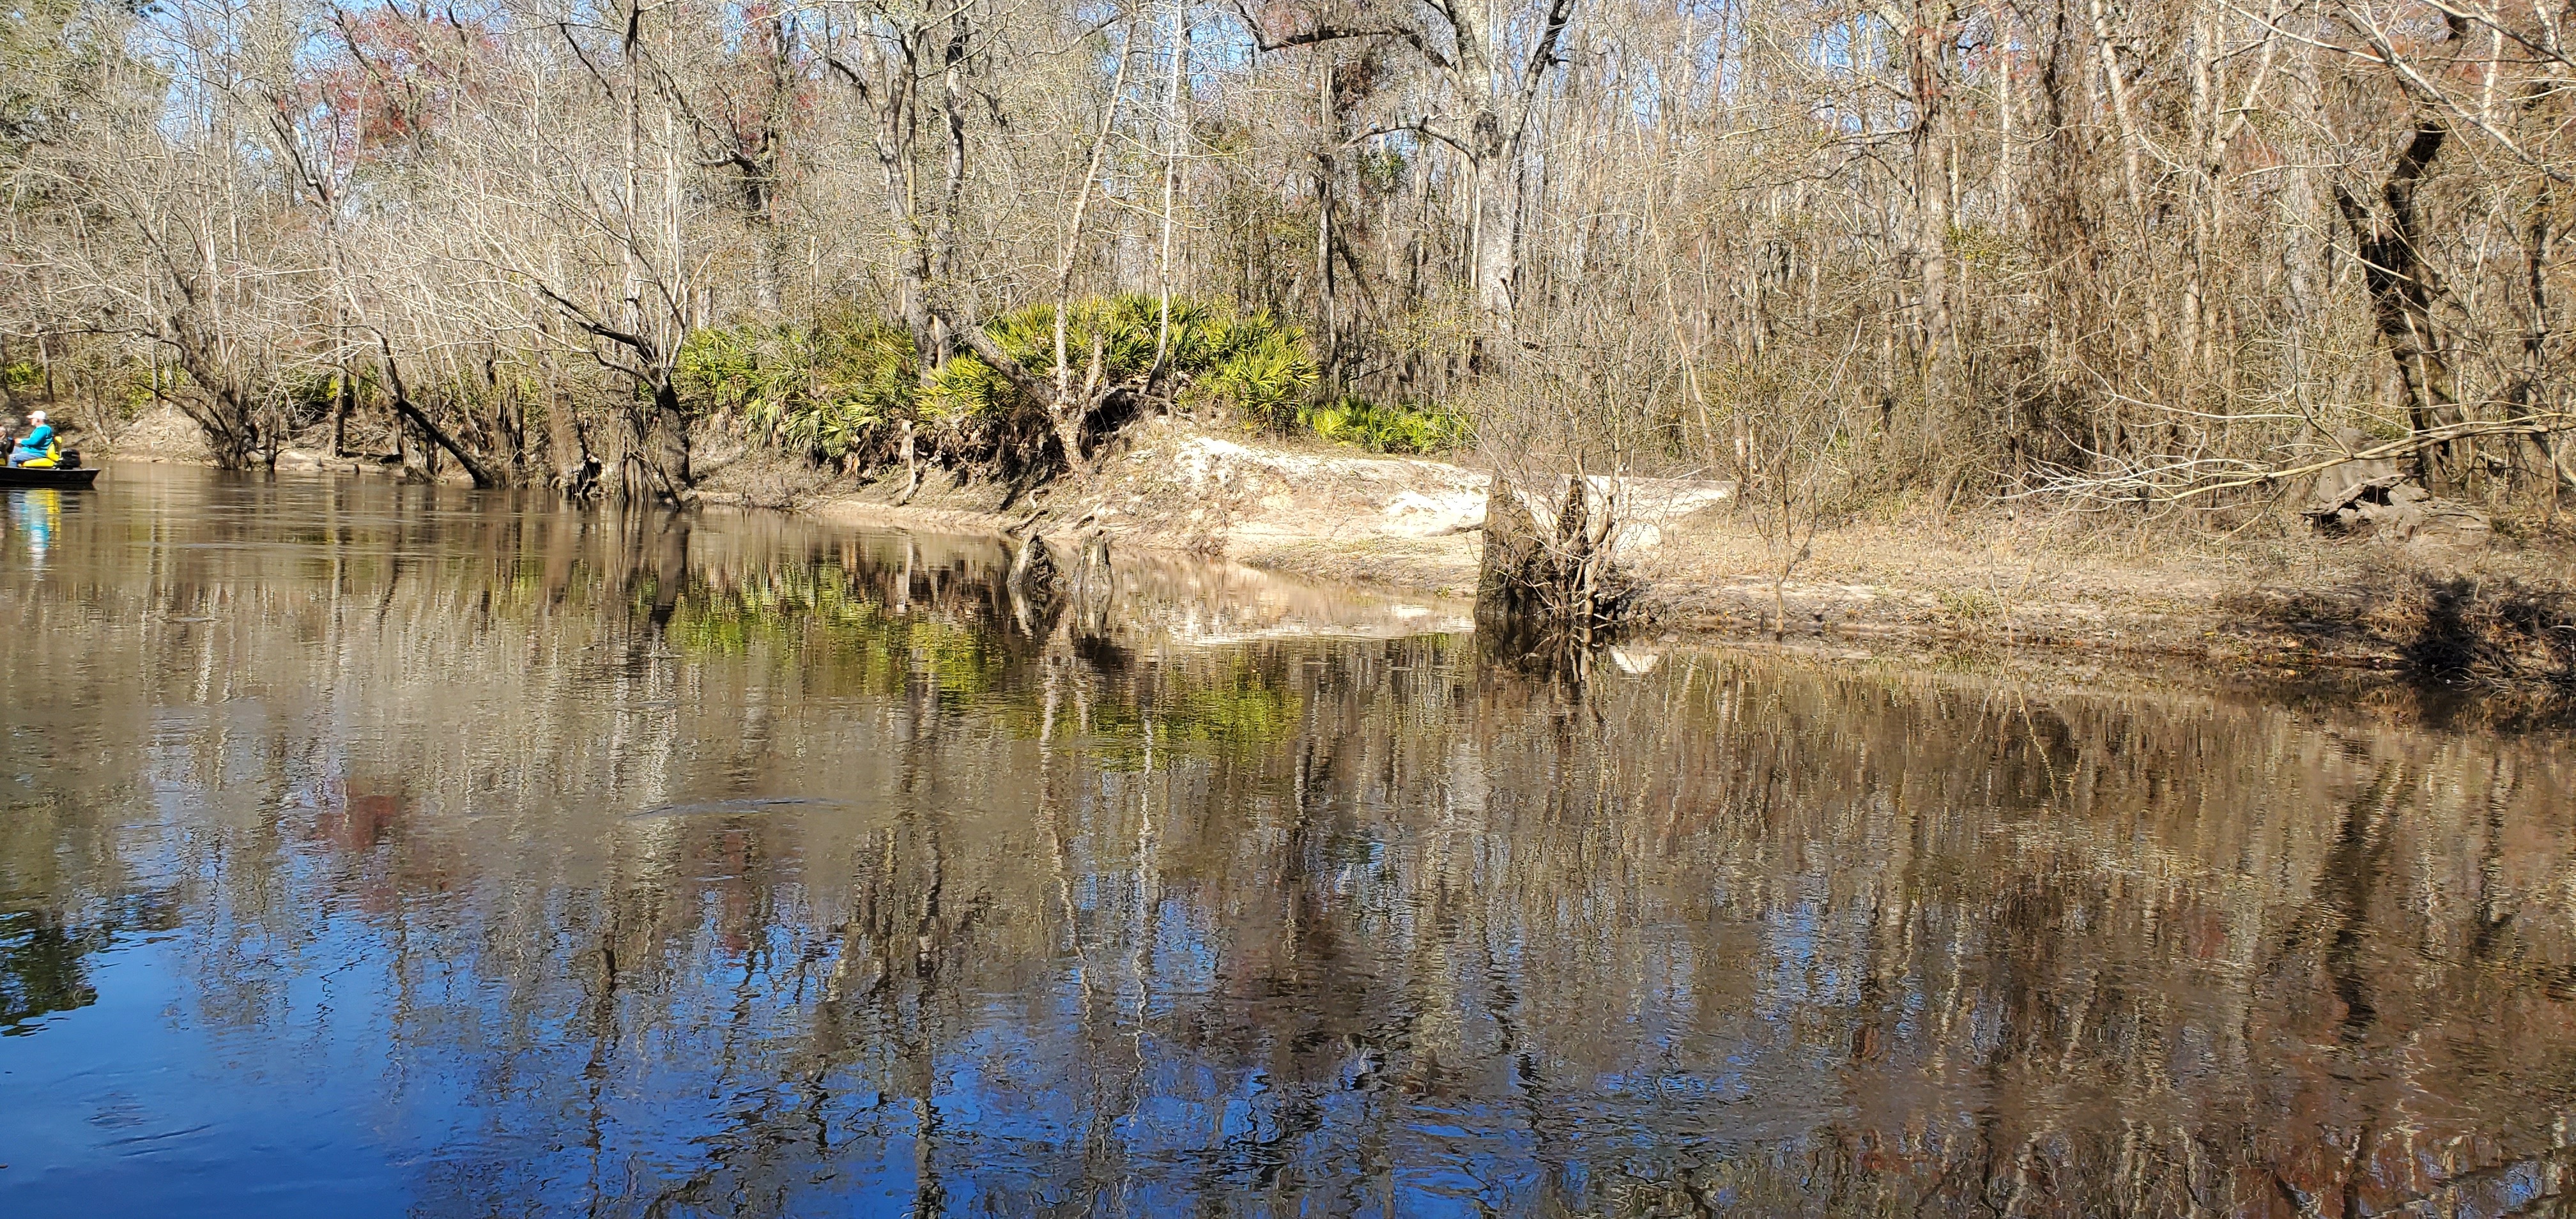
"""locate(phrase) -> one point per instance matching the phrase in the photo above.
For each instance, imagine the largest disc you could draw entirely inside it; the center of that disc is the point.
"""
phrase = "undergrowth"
(1386, 428)
(843, 389)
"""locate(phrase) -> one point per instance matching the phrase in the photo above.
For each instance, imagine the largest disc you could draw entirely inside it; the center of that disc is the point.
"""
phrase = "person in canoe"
(35, 450)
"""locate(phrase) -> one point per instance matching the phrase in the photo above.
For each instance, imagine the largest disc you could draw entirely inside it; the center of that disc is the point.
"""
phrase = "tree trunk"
(1926, 74)
(2401, 294)
(666, 441)
(2525, 395)
(227, 417)
(1497, 174)
(429, 429)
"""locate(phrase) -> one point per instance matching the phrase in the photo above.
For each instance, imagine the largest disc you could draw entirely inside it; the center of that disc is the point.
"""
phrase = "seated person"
(35, 450)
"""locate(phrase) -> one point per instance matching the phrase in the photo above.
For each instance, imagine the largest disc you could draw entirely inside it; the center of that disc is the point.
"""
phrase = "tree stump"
(1539, 587)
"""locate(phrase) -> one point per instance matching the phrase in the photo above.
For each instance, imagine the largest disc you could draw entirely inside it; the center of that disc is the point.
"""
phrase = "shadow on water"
(722, 865)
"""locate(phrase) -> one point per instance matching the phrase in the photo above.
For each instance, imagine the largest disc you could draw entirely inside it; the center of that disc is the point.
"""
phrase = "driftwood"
(2390, 505)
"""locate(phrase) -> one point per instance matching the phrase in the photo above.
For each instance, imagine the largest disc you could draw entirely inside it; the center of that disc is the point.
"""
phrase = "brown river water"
(377, 850)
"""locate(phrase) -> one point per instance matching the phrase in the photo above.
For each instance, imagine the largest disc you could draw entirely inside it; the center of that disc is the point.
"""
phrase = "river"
(375, 849)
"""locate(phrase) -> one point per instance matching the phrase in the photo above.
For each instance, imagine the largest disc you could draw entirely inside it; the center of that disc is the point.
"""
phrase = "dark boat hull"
(22, 477)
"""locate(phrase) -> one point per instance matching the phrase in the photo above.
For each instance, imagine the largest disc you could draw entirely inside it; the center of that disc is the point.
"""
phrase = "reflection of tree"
(762, 871)
(44, 964)
(40, 968)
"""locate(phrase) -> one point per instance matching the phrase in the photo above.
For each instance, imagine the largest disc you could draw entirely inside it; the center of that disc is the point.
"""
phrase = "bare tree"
(2065, 247)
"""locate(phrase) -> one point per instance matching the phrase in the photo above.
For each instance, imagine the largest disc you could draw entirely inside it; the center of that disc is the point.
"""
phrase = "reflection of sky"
(402, 901)
(1135, 1046)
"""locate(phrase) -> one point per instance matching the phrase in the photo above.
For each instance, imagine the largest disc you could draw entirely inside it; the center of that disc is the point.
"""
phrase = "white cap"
(35, 416)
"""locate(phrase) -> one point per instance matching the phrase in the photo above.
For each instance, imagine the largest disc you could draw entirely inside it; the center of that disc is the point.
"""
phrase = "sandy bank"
(1316, 511)
(2277, 605)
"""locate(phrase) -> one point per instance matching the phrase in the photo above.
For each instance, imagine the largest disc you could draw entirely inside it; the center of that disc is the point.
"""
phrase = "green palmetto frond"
(824, 389)
(1383, 428)
(832, 388)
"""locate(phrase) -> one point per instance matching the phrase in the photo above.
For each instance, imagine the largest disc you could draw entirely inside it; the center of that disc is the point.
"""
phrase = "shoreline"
(1672, 611)
(2190, 649)
(2277, 608)
(2280, 608)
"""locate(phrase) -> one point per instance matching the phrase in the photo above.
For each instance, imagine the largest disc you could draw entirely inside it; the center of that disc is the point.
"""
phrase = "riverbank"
(2274, 603)
(2270, 602)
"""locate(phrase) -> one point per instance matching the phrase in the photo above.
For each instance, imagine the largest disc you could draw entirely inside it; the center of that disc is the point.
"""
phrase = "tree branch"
(403, 405)
(1327, 32)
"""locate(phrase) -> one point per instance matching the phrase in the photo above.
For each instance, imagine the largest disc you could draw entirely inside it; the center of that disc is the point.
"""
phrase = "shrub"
(1382, 428)
(1250, 363)
(826, 390)
(836, 388)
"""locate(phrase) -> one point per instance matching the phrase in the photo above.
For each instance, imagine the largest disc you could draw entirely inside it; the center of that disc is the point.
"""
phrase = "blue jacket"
(33, 443)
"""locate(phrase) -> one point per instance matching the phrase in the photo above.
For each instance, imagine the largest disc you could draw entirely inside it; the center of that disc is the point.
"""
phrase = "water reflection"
(44, 963)
(40, 969)
(509, 860)
(34, 514)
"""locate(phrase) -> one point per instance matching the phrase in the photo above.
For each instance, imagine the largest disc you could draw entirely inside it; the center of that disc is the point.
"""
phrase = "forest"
(2178, 253)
